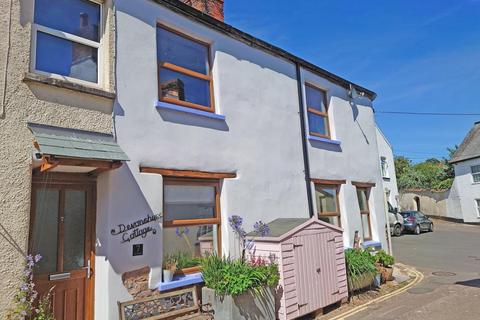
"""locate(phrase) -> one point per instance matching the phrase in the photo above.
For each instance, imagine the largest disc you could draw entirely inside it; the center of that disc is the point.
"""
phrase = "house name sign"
(136, 229)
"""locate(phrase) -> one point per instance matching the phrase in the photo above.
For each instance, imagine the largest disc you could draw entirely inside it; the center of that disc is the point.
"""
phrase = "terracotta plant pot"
(387, 273)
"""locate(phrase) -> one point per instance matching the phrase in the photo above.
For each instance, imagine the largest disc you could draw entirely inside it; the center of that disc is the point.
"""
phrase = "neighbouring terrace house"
(465, 192)
(387, 169)
(462, 201)
(108, 173)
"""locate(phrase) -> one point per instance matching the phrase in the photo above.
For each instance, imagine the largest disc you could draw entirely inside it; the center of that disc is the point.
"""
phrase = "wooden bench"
(163, 306)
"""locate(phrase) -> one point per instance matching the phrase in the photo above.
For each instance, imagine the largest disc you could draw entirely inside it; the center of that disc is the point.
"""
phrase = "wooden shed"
(311, 261)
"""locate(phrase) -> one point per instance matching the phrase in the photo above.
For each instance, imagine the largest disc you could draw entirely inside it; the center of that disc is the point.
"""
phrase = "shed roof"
(470, 146)
(72, 143)
(283, 227)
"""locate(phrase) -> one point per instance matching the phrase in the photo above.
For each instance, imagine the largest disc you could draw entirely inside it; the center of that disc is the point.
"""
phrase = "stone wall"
(432, 203)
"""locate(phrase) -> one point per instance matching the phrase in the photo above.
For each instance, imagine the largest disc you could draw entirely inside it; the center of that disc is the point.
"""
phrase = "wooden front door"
(62, 232)
(315, 271)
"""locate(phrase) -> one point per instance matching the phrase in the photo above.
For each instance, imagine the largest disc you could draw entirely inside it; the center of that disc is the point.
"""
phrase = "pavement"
(449, 259)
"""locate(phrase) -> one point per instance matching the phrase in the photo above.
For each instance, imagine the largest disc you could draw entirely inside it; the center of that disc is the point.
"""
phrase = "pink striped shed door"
(315, 271)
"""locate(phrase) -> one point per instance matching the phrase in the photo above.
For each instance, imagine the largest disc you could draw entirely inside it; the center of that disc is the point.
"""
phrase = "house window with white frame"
(66, 39)
(476, 173)
(384, 167)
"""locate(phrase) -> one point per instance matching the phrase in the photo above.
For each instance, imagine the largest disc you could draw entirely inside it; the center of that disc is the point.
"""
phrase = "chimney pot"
(83, 19)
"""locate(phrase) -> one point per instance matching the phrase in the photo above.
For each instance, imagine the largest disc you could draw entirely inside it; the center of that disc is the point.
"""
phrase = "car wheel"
(397, 230)
(431, 227)
(417, 229)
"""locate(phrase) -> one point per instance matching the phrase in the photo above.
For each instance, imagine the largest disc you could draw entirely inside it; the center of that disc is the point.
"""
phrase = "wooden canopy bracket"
(48, 164)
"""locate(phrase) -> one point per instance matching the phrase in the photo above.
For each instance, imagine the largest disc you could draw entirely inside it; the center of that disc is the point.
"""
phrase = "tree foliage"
(432, 174)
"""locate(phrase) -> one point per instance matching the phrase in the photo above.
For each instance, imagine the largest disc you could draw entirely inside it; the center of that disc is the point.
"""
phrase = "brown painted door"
(62, 230)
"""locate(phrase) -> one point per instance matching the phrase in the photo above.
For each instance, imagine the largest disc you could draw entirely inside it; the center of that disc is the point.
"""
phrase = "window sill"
(320, 139)
(386, 178)
(181, 281)
(173, 107)
(35, 77)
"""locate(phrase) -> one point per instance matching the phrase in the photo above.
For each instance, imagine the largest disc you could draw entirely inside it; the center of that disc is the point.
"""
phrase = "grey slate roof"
(281, 226)
(470, 147)
(71, 143)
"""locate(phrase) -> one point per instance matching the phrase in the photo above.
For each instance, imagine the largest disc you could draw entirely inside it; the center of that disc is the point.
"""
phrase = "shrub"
(234, 277)
(384, 259)
(359, 262)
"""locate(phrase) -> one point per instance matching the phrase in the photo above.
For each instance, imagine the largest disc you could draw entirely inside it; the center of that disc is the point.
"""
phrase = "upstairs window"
(317, 111)
(476, 173)
(384, 167)
(66, 39)
(183, 70)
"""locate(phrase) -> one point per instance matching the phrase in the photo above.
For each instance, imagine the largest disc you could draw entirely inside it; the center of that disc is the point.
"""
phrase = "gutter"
(222, 27)
(306, 160)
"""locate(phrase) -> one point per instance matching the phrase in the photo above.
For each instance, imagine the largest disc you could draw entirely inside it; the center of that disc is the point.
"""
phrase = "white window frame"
(477, 204)
(477, 173)
(384, 167)
(71, 37)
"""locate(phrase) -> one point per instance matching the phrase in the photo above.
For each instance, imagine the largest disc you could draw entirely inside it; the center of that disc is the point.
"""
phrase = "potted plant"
(361, 269)
(169, 267)
(239, 289)
(384, 263)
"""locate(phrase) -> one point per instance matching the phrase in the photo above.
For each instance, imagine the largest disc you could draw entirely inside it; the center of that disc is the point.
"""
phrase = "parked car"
(396, 221)
(416, 222)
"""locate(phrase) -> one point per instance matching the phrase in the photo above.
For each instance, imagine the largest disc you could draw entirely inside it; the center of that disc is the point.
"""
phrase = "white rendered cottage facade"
(241, 147)
(208, 122)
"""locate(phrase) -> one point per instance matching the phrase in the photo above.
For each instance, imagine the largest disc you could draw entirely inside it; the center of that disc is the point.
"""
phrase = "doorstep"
(181, 281)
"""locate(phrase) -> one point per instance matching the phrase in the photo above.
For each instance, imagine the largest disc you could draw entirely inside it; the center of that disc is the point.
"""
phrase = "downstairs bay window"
(191, 220)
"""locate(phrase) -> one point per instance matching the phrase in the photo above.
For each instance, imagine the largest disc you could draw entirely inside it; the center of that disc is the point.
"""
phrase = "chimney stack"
(213, 8)
(83, 20)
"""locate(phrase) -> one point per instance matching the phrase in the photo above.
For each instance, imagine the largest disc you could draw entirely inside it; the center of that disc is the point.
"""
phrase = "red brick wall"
(213, 8)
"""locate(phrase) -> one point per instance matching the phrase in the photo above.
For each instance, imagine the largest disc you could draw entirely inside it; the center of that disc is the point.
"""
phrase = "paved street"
(454, 293)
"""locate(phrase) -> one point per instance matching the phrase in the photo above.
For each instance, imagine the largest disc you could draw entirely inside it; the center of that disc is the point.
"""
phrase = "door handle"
(89, 269)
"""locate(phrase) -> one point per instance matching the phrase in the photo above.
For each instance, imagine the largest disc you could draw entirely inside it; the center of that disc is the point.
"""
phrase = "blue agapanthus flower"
(261, 228)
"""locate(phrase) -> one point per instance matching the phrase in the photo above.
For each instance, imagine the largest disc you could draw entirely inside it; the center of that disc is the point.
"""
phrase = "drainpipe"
(306, 161)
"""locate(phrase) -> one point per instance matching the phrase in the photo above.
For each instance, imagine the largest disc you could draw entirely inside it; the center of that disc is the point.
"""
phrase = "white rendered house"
(464, 197)
(208, 122)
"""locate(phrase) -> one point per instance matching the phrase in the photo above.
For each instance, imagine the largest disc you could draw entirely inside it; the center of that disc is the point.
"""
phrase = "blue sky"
(420, 56)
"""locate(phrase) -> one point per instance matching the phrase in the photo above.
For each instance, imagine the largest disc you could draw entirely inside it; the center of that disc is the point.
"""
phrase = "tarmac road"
(453, 250)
